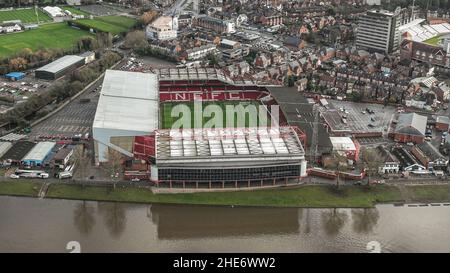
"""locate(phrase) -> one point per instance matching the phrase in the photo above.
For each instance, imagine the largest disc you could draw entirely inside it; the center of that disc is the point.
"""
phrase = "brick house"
(410, 128)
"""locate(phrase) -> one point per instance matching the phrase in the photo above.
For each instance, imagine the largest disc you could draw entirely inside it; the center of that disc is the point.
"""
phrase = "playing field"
(25, 15)
(173, 113)
(58, 35)
(111, 24)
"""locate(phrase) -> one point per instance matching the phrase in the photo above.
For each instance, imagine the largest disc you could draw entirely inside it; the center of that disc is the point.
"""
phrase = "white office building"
(378, 30)
(163, 28)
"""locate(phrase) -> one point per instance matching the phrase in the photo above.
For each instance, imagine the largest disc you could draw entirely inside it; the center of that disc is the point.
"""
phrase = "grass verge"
(20, 188)
(428, 194)
(306, 196)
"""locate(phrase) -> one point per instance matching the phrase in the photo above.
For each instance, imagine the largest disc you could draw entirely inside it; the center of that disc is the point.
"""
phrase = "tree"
(371, 159)
(18, 63)
(148, 17)
(338, 163)
(81, 161)
(114, 161)
(136, 39)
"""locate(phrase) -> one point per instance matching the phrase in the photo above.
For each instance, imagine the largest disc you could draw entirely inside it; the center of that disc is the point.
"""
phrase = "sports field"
(25, 15)
(111, 24)
(58, 35)
(173, 113)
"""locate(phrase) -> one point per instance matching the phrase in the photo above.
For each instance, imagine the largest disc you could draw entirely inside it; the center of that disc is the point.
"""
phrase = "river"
(34, 225)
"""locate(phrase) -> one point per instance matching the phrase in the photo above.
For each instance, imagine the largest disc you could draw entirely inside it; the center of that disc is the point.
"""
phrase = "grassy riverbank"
(20, 188)
(306, 196)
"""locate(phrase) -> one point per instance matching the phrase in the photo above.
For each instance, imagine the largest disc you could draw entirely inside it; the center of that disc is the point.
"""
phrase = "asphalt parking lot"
(358, 119)
(75, 118)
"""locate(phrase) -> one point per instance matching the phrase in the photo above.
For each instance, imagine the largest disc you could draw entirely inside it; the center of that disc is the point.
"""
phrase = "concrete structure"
(36, 156)
(200, 52)
(410, 128)
(54, 11)
(89, 56)
(378, 30)
(163, 28)
(128, 106)
(60, 67)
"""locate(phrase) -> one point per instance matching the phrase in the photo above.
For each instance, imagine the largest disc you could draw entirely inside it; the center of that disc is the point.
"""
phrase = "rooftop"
(128, 101)
(40, 151)
(61, 63)
(253, 144)
(411, 124)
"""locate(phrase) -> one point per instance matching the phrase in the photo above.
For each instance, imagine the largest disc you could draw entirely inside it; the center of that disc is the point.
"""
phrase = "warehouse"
(410, 128)
(60, 67)
(128, 106)
(15, 154)
(36, 156)
(4, 147)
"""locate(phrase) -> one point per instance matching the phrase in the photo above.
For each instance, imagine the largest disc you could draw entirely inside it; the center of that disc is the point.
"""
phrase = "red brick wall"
(408, 138)
(441, 126)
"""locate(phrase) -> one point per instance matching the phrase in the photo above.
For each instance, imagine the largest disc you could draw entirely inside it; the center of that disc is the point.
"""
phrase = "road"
(176, 8)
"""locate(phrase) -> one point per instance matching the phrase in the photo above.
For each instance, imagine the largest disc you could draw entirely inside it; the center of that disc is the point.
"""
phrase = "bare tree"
(114, 161)
(338, 163)
(371, 160)
(81, 160)
(334, 220)
(136, 39)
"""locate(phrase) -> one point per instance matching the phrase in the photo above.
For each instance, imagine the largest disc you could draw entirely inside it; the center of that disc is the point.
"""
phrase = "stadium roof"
(179, 74)
(61, 63)
(128, 101)
(411, 124)
(230, 144)
(420, 33)
(40, 151)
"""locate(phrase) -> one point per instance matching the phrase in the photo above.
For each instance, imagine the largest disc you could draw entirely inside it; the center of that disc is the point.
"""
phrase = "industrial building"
(410, 128)
(37, 155)
(128, 106)
(345, 146)
(15, 154)
(59, 67)
(4, 147)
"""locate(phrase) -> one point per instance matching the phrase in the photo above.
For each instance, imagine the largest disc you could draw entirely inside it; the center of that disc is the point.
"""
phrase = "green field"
(112, 24)
(46, 36)
(25, 15)
(75, 10)
(433, 41)
(173, 108)
(20, 188)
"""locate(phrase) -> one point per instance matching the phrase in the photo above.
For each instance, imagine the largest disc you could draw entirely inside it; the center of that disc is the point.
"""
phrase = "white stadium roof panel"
(128, 102)
(223, 143)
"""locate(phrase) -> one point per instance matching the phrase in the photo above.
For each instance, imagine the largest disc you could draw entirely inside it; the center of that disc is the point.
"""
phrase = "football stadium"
(197, 128)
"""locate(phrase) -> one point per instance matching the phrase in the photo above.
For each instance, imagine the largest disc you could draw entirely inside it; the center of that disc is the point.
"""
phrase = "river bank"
(306, 196)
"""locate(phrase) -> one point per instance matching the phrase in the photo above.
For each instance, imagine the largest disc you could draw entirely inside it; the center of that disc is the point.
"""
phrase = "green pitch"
(58, 35)
(433, 41)
(170, 113)
(25, 15)
(111, 24)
